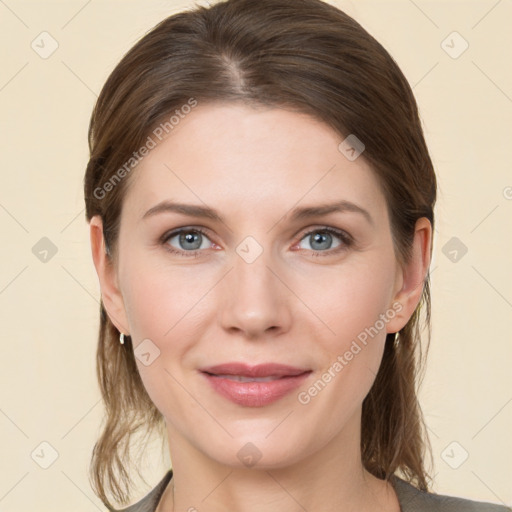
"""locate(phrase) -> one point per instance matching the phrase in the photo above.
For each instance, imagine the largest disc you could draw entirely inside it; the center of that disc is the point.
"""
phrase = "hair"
(308, 57)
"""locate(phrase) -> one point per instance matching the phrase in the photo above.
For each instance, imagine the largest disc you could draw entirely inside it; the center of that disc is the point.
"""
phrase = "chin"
(259, 451)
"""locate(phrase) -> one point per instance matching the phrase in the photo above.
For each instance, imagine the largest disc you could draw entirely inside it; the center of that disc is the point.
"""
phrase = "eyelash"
(346, 239)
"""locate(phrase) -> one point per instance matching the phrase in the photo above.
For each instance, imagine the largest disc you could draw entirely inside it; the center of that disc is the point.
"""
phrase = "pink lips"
(254, 386)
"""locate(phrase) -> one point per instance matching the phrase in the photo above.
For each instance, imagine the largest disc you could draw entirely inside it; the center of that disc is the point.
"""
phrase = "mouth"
(243, 378)
(254, 386)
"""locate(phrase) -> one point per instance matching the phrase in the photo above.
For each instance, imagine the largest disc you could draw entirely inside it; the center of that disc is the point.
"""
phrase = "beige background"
(49, 310)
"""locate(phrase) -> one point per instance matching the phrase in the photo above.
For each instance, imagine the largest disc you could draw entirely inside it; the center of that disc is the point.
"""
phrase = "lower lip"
(255, 394)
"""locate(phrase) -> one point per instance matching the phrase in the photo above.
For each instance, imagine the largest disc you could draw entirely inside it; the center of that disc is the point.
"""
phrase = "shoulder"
(414, 500)
(150, 501)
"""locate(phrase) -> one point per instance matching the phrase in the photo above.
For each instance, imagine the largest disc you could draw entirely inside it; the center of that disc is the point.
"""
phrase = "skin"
(296, 304)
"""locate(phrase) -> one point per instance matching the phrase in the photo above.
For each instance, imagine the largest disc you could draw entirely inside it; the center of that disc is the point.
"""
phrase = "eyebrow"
(199, 211)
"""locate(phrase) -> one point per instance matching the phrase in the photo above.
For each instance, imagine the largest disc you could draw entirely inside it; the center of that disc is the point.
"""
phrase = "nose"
(255, 301)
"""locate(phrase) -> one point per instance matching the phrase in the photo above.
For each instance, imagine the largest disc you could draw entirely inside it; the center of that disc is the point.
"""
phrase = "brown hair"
(302, 55)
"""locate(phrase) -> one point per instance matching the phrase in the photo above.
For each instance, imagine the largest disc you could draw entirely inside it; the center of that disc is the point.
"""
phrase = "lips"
(254, 386)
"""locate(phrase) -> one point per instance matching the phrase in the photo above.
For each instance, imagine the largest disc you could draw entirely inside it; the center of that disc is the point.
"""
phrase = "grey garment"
(410, 499)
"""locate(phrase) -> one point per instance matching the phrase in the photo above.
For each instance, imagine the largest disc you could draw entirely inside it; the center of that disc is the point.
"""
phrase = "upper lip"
(260, 370)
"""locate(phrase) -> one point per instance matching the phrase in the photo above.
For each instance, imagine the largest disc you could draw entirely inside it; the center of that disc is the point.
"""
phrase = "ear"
(410, 279)
(110, 293)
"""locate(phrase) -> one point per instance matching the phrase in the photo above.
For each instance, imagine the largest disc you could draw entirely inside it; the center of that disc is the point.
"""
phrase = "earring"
(396, 341)
(121, 338)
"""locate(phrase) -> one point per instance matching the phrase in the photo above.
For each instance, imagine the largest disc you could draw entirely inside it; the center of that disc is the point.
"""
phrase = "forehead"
(255, 159)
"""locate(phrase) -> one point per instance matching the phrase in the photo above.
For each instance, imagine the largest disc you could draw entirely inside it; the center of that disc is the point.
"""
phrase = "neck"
(331, 479)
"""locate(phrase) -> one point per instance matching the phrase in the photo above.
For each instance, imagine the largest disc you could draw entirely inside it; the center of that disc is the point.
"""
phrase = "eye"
(321, 240)
(187, 241)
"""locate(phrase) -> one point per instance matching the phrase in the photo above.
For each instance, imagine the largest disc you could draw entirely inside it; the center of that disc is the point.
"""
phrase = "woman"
(260, 199)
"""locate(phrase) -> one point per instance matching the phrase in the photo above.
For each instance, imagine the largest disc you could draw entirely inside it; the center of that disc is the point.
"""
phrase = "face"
(262, 276)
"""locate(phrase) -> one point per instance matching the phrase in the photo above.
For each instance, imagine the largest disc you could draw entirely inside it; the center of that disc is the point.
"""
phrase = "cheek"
(350, 300)
(164, 306)
(356, 308)
(160, 300)
(157, 331)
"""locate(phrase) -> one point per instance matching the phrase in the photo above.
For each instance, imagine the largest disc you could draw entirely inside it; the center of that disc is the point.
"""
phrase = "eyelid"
(173, 232)
(329, 229)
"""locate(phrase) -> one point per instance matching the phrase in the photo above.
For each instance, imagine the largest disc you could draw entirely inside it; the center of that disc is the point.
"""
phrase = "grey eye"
(320, 240)
(189, 240)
